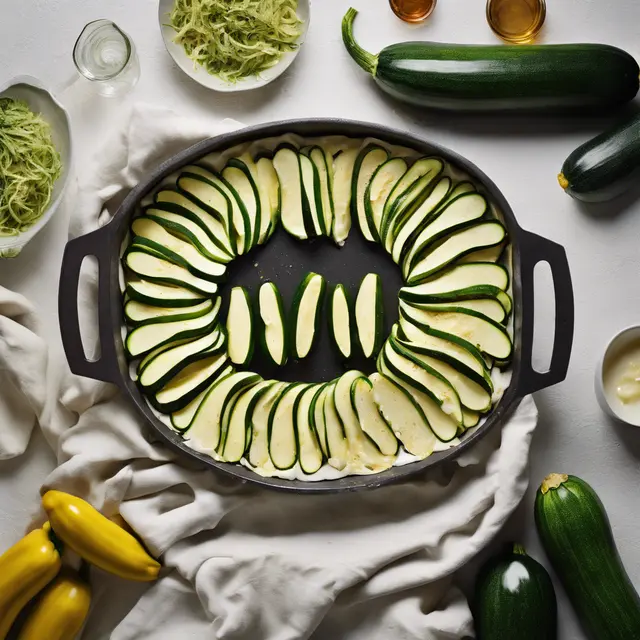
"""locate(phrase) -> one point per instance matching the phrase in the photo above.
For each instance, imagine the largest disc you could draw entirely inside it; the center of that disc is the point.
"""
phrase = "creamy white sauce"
(333, 144)
(621, 381)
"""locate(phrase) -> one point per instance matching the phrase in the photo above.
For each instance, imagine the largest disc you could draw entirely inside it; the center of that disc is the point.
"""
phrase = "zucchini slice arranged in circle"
(240, 327)
(340, 321)
(273, 334)
(369, 314)
(305, 314)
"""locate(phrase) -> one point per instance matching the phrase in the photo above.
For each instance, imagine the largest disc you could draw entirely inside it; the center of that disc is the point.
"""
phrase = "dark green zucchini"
(575, 532)
(515, 599)
(558, 78)
(605, 166)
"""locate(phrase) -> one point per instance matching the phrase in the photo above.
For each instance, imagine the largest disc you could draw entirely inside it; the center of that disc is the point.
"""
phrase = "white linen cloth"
(243, 563)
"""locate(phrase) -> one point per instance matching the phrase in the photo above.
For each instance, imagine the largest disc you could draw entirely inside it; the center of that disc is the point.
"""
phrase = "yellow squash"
(25, 569)
(97, 539)
(60, 611)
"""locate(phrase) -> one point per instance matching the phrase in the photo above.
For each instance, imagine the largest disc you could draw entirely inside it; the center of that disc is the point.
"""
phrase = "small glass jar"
(516, 21)
(412, 10)
(105, 55)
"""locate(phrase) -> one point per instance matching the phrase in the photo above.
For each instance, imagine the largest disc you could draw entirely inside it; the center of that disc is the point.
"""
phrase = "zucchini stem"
(553, 481)
(366, 60)
(519, 550)
(564, 183)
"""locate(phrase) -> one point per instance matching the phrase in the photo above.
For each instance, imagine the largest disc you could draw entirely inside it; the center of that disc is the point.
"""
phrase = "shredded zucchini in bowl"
(238, 38)
(29, 166)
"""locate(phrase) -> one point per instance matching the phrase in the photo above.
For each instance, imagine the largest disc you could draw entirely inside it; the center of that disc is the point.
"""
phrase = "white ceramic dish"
(610, 404)
(200, 75)
(40, 100)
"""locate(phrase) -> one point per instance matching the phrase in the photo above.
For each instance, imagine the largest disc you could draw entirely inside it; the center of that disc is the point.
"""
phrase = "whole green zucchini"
(575, 532)
(515, 599)
(552, 78)
(605, 166)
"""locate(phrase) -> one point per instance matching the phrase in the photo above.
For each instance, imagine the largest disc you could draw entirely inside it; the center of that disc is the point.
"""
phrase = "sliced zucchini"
(144, 263)
(188, 383)
(181, 224)
(370, 419)
(461, 242)
(451, 349)
(489, 307)
(181, 419)
(258, 454)
(473, 389)
(324, 165)
(382, 183)
(137, 313)
(161, 295)
(205, 430)
(316, 416)
(149, 336)
(460, 278)
(340, 321)
(369, 314)
(158, 371)
(405, 228)
(283, 445)
(342, 174)
(423, 377)
(269, 188)
(312, 197)
(470, 418)
(209, 197)
(292, 213)
(236, 426)
(442, 425)
(468, 298)
(305, 314)
(368, 160)
(240, 327)
(363, 454)
(489, 255)
(310, 454)
(482, 332)
(404, 415)
(409, 192)
(239, 218)
(150, 355)
(453, 216)
(177, 250)
(335, 437)
(273, 334)
(239, 178)
(183, 203)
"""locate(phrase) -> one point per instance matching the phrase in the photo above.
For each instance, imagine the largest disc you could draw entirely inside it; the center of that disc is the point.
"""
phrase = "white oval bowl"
(616, 345)
(200, 75)
(40, 100)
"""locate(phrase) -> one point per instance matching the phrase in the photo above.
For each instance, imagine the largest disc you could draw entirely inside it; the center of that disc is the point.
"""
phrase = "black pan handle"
(106, 367)
(535, 249)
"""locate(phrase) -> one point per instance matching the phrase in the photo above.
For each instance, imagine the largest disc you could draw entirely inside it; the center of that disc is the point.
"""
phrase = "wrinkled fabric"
(243, 563)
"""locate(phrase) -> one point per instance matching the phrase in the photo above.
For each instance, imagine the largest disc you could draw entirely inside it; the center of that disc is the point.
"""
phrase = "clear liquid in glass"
(106, 55)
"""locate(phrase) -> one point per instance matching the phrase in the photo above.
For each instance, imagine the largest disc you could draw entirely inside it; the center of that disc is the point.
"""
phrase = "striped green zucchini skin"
(605, 166)
(553, 78)
(576, 535)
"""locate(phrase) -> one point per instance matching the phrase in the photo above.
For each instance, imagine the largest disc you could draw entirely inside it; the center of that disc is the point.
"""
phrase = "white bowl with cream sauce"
(617, 382)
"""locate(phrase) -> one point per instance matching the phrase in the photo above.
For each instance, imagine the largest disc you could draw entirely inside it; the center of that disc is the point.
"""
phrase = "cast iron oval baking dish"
(527, 250)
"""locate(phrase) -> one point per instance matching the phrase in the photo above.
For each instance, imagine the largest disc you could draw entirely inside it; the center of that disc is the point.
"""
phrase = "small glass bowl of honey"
(516, 21)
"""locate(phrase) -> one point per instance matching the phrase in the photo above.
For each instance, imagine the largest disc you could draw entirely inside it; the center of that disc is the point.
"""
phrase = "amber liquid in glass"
(412, 10)
(517, 21)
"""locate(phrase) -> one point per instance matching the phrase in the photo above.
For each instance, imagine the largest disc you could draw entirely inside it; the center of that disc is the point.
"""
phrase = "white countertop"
(522, 155)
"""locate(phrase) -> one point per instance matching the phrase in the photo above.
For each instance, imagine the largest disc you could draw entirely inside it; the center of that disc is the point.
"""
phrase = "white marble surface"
(521, 155)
